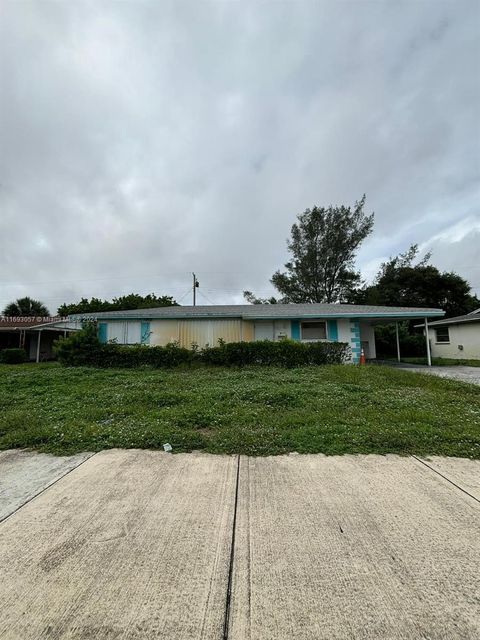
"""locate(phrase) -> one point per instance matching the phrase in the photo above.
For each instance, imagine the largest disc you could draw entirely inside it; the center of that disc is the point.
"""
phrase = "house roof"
(474, 316)
(266, 311)
(15, 323)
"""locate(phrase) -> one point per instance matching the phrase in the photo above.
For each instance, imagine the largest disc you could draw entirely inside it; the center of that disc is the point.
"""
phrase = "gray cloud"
(141, 141)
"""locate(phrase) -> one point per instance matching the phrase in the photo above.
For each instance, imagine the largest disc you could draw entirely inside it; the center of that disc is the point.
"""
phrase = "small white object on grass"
(167, 446)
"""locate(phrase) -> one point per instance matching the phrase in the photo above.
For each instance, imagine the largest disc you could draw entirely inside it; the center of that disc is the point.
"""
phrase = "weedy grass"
(255, 410)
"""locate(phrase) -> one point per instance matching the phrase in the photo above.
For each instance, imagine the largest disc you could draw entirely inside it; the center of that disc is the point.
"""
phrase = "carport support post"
(429, 357)
(39, 337)
(398, 341)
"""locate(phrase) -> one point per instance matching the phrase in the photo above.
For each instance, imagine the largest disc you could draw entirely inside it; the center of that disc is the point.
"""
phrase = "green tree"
(252, 299)
(406, 281)
(123, 303)
(323, 245)
(26, 307)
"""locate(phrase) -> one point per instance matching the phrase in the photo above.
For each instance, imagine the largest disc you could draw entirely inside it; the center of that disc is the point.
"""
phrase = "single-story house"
(34, 334)
(353, 324)
(457, 337)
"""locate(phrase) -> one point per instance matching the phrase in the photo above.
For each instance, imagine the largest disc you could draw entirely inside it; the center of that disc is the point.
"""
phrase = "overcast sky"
(140, 141)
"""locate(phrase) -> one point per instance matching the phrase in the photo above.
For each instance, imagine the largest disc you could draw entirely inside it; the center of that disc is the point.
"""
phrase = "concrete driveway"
(457, 372)
(138, 544)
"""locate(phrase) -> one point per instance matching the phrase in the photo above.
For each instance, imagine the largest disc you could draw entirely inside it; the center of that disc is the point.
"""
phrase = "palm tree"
(26, 307)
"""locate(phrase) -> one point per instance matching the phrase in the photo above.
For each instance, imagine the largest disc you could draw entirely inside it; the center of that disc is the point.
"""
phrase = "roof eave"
(450, 321)
(299, 316)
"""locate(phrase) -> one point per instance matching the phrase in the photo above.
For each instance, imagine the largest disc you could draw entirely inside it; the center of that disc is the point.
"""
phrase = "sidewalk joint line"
(9, 515)
(226, 621)
(447, 479)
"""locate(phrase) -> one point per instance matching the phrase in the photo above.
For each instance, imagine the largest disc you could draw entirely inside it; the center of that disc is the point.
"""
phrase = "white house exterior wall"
(467, 335)
(343, 328)
(367, 339)
(344, 333)
(208, 331)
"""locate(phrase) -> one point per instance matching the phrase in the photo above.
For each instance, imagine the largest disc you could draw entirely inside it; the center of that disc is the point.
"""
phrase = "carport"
(397, 337)
(44, 335)
(35, 335)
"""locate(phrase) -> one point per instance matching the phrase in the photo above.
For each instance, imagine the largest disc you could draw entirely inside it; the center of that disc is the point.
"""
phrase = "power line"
(206, 297)
(185, 294)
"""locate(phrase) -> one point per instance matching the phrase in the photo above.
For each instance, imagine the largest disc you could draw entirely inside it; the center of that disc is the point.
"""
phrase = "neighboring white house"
(353, 324)
(457, 337)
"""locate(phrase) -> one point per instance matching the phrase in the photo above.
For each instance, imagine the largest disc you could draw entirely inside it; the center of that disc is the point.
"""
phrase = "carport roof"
(12, 323)
(266, 311)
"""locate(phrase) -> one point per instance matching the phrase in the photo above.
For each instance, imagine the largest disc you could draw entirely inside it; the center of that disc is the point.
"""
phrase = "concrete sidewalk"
(23, 475)
(138, 544)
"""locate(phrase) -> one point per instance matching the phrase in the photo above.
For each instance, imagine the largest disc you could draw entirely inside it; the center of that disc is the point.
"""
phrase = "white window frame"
(437, 341)
(307, 322)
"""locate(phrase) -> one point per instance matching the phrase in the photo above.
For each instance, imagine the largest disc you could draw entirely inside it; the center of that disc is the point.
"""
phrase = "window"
(442, 334)
(314, 331)
(134, 334)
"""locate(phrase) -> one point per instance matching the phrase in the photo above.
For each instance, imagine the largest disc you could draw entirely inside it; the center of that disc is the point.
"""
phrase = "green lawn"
(258, 411)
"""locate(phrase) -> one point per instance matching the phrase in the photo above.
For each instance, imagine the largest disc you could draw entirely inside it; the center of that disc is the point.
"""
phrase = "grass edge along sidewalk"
(253, 410)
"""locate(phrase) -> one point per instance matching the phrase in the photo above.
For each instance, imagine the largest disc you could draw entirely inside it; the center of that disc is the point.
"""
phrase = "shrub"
(285, 353)
(81, 348)
(84, 348)
(13, 356)
(171, 355)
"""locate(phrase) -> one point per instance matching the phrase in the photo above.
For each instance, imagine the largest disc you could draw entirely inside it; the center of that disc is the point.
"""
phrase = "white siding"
(344, 333)
(367, 339)
(282, 329)
(461, 335)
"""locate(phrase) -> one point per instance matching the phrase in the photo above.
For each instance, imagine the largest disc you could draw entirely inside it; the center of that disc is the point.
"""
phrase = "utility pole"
(195, 285)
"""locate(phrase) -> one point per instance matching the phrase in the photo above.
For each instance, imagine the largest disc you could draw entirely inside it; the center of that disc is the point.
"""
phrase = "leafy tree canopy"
(252, 299)
(323, 246)
(26, 307)
(123, 303)
(406, 281)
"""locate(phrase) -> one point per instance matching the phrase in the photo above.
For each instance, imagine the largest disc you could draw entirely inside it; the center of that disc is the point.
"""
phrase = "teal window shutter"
(102, 331)
(332, 333)
(295, 329)
(145, 332)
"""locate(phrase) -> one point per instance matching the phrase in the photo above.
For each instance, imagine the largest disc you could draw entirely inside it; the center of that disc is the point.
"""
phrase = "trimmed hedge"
(13, 356)
(285, 353)
(114, 355)
(84, 348)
